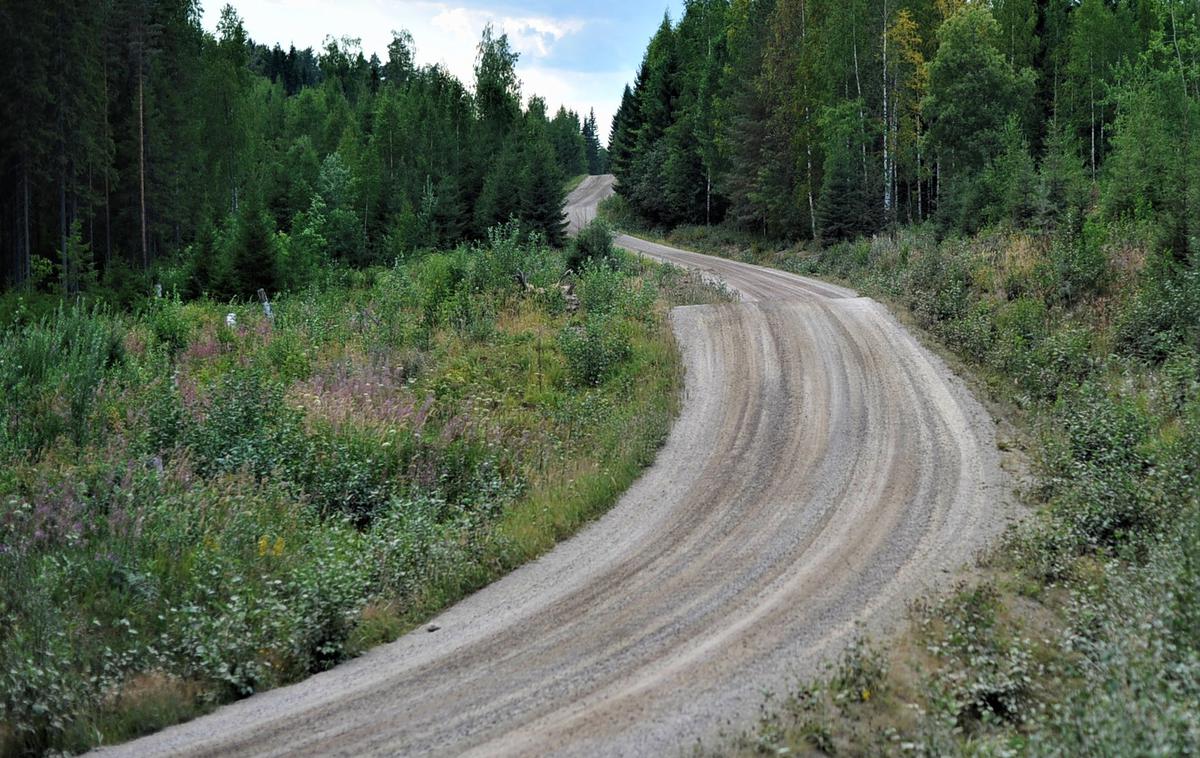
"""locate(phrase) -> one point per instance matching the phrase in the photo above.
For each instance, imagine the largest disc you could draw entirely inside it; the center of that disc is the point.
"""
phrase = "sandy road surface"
(824, 468)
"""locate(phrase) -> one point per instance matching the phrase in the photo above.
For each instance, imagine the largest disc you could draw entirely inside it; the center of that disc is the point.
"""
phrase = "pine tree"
(542, 196)
(1062, 181)
(622, 138)
(591, 142)
(570, 145)
(253, 255)
(845, 209)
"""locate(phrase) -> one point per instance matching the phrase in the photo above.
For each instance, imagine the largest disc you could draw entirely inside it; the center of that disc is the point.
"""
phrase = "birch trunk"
(887, 126)
(862, 117)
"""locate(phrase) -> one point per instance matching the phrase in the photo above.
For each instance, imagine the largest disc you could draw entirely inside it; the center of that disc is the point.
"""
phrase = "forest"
(136, 146)
(202, 495)
(807, 119)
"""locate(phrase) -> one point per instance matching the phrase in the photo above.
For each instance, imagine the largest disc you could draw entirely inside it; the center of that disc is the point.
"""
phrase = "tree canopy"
(811, 118)
(137, 139)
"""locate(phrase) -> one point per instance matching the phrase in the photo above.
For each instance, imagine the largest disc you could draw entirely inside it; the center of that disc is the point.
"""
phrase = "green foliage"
(845, 210)
(594, 349)
(79, 265)
(1010, 180)
(50, 373)
(986, 674)
(542, 196)
(1164, 312)
(191, 512)
(1062, 183)
(252, 256)
(593, 243)
(973, 90)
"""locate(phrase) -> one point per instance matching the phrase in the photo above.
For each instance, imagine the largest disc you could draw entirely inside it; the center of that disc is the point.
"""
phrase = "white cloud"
(530, 36)
(578, 91)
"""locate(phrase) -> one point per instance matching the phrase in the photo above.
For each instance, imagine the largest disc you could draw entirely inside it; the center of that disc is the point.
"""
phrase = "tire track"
(824, 469)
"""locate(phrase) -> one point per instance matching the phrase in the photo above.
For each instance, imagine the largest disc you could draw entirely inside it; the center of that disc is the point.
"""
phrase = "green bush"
(438, 277)
(169, 323)
(601, 288)
(1080, 264)
(1163, 313)
(594, 349)
(50, 373)
(594, 243)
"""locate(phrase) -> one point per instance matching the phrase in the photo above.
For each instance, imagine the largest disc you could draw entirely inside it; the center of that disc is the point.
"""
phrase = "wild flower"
(208, 346)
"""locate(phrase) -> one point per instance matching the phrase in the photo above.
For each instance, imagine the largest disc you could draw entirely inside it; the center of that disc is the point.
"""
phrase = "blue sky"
(575, 54)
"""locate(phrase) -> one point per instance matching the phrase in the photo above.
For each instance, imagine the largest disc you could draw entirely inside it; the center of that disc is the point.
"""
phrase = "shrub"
(985, 672)
(169, 323)
(49, 376)
(594, 243)
(1080, 264)
(438, 277)
(1164, 313)
(594, 349)
(601, 288)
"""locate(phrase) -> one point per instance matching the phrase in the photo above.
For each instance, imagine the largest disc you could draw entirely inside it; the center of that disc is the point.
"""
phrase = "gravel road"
(824, 469)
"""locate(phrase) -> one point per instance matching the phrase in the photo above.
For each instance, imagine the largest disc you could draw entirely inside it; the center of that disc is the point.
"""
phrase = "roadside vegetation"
(198, 502)
(1077, 635)
(199, 499)
(1019, 181)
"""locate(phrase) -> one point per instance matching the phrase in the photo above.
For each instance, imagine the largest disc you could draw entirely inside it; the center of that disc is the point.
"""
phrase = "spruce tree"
(541, 193)
(591, 140)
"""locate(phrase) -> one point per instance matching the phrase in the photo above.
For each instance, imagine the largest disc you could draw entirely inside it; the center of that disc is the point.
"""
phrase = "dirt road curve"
(825, 467)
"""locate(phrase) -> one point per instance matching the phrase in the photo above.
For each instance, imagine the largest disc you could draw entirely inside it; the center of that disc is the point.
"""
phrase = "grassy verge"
(573, 183)
(1078, 635)
(196, 506)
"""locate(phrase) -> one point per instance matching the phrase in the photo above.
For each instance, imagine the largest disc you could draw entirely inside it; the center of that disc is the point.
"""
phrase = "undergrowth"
(198, 502)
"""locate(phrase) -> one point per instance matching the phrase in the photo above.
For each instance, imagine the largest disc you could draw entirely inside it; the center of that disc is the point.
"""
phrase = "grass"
(573, 183)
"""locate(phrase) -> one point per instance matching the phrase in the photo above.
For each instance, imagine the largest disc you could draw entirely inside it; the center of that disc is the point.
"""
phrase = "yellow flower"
(262, 546)
(866, 695)
(278, 547)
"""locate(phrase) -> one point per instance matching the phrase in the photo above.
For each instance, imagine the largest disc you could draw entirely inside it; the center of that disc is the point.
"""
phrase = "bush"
(169, 323)
(1080, 265)
(49, 376)
(1164, 313)
(601, 288)
(595, 349)
(594, 243)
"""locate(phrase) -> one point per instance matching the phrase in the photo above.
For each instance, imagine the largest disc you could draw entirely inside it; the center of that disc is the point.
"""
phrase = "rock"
(432, 628)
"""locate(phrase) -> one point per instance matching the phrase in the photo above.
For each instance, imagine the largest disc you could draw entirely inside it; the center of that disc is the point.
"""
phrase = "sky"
(577, 54)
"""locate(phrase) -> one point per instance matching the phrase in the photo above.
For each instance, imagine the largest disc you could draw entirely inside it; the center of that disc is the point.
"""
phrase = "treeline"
(829, 120)
(134, 140)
